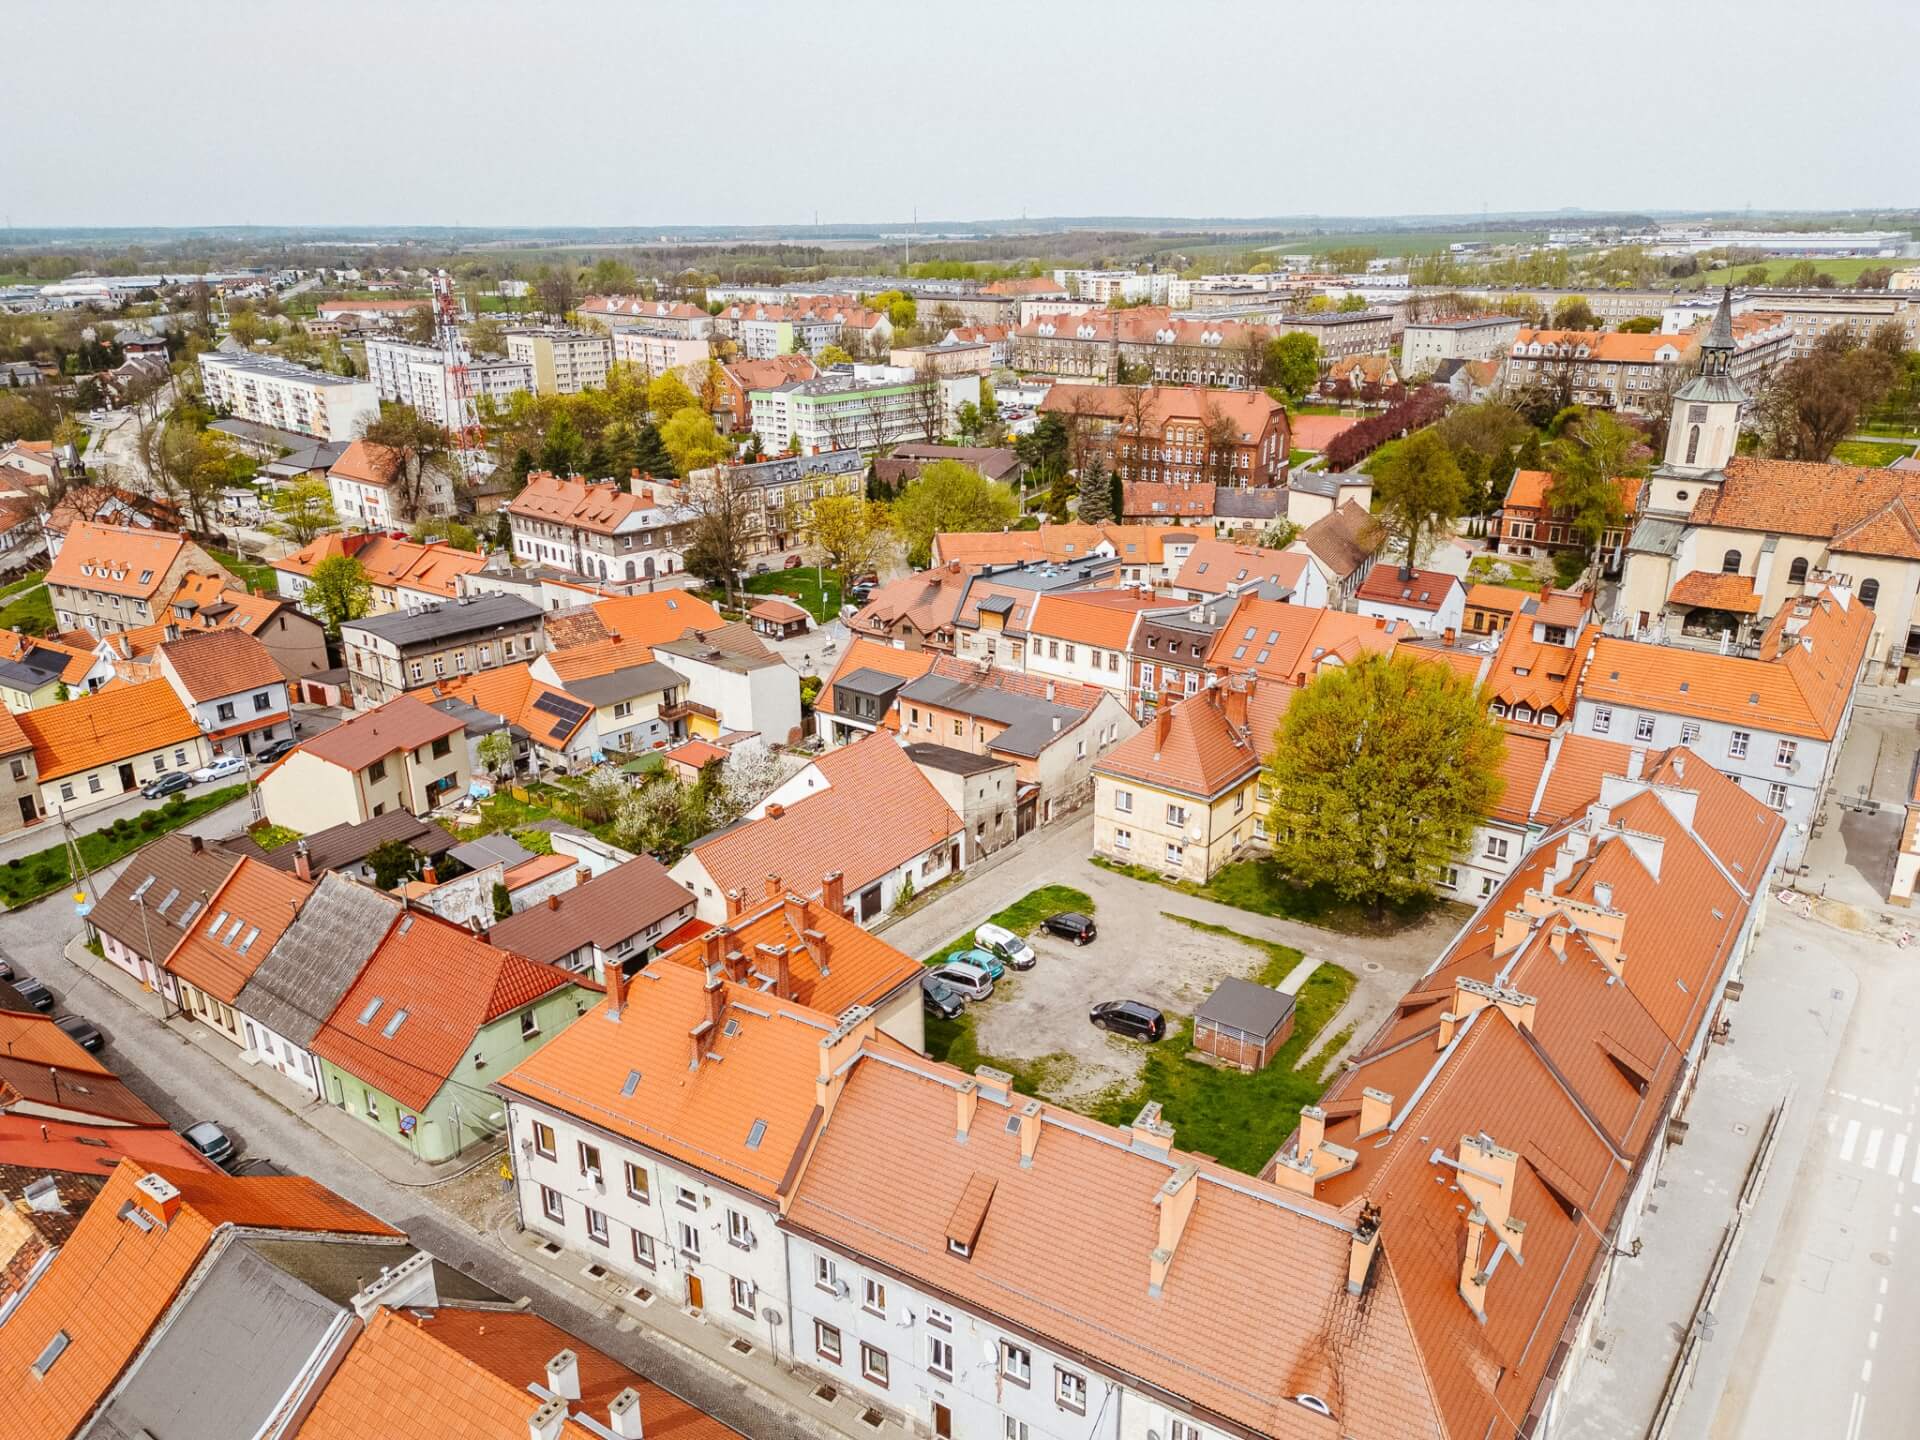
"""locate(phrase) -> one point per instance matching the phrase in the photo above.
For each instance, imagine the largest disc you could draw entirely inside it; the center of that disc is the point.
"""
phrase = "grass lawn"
(1487, 570)
(803, 588)
(25, 582)
(31, 609)
(1022, 916)
(1869, 452)
(29, 877)
(1315, 410)
(1297, 458)
(269, 836)
(260, 577)
(1260, 886)
(1844, 269)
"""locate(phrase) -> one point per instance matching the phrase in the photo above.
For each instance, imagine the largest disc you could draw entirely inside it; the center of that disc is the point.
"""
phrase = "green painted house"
(436, 1016)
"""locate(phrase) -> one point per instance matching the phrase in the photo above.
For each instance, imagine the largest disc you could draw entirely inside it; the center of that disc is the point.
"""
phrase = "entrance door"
(27, 811)
(942, 1421)
(126, 777)
(870, 902)
(695, 1300)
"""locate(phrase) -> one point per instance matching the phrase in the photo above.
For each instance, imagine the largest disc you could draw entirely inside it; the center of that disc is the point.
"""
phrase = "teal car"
(983, 959)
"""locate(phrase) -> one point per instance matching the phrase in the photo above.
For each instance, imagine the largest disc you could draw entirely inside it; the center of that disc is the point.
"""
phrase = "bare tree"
(928, 406)
(723, 518)
(1137, 414)
(1216, 426)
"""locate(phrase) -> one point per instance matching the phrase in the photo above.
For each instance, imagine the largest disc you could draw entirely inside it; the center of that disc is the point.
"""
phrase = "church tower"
(1706, 410)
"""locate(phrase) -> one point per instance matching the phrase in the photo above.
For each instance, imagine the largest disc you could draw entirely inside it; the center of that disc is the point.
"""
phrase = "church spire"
(1716, 351)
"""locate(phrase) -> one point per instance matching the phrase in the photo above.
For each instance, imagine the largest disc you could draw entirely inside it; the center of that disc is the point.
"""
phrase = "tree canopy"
(1381, 770)
(948, 495)
(1291, 365)
(340, 590)
(852, 531)
(692, 441)
(1587, 462)
(1420, 491)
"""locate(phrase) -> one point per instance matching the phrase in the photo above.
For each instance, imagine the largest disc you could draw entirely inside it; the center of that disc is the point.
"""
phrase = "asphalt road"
(186, 1085)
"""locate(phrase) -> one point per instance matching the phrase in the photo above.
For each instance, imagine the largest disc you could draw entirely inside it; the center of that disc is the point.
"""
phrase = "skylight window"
(186, 917)
(172, 895)
(218, 921)
(373, 1006)
(398, 1019)
(756, 1134)
(142, 888)
(56, 1347)
(232, 931)
(631, 1084)
(246, 943)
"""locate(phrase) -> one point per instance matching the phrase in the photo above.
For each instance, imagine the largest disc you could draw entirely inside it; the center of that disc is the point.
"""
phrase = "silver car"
(969, 980)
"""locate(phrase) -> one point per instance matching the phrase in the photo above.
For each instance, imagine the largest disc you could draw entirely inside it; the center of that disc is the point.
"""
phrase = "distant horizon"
(767, 115)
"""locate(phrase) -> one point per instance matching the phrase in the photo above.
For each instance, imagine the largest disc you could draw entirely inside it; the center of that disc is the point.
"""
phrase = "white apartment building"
(658, 350)
(1482, 337)
(418, 375)
(1160, 287)
(563, 362)
(286, 396)
(876, 405)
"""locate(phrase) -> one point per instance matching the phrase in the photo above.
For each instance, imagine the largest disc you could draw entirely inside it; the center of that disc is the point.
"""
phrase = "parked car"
(966, 980)
(982, 960)
(219, 770)
(762, 568)
(274, 751)
(210, 1140)
(1000, 941)
(6, 968)
(940, 998)
(82, 1031)
(792, 562)
(1070, 925)
(1129, 1017)
(166, 784)
(35, 991)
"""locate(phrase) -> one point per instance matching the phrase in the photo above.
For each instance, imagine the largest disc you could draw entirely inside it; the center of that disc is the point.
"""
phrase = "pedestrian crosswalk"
(1883, 1147)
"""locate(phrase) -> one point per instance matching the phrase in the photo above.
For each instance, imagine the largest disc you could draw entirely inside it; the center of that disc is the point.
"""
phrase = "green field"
(29, 609)
(1869, 452)
(804, 587)
(258, 576)
(1844, 271)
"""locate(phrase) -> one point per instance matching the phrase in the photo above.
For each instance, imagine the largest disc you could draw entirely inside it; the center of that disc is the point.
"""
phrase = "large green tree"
(692, 441)
(1291, 365)
(1587, 463)
(851, 531)
(340, 590)
(1816, 399)
(1381, 770)
(948, 495)
(303, 510)
(416, 448)
(1420, 491)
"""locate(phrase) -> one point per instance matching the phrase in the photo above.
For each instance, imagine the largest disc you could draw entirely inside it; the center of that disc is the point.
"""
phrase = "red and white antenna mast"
(463, 417)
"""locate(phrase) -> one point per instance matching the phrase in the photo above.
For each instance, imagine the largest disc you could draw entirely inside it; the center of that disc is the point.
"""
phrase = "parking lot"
(1041, 1014)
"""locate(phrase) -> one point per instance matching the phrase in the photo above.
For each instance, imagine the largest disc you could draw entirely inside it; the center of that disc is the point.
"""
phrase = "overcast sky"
(630, 112)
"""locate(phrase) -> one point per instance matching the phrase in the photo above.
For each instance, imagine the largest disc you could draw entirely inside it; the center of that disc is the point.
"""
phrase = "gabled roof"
(860, 969)
(403, 723)
(1034, 711)
(473, 1371)
(634, 1076)
(214, 663)
(350, 842)
(115, 1280)
(122, 560)
(1103, 619)
(1171, 498)
(1535, 674)
(75, 660)
(1344, 540)
(442, 622)
(550, 715)
(242, 921)
(579, 504)
(1503, 598)
(1280, 641)
(873, 655)
(296, 986)
(1863, 511)
(1529, 489)
(1407, 589)
(390, 564)
(1248, 412)
(366, 463)
(877, 812)
(1799, 684)
(169, 876)
(1200, 749)
(928, 600)
(106, 727)
(603, 911)
(436, 986)
(1216, 566)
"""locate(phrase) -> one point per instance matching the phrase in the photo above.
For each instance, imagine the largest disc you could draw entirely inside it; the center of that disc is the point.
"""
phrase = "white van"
(1001, 941)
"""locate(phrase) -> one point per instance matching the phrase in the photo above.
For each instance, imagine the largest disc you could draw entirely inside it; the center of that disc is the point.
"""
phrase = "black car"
(36, 992)
(82, 1031)
(6, 968)
(274, 751)
(1070, 925)
(1129, 1017)
(940, 998)
(166, 784)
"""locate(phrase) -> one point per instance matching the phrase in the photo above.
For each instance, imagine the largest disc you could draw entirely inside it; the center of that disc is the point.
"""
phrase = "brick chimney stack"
(302, 862)
(833, 892)
(1162, 724)
(774, 888)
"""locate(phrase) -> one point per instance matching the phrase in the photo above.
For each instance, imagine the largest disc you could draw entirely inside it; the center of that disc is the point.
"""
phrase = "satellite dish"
(770, 1315)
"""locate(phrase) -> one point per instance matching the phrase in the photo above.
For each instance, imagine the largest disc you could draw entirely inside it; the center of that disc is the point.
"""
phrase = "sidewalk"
(1787, 1030)
(373, 1150)
(756, 1364)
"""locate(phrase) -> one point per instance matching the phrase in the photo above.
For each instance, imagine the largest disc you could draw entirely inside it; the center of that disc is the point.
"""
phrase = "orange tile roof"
(1610, 346)
(1288, 643)
(1165, 497)
(775, 608)
(862, 969)
(1798, 685)
(864, 654)
(100, 729)
(1063, 1249)
(115, 559)
(458, 1374)
(449, 984)
(34, 1037)
(241, 922)
(1250, 412)
(1417, 590)
(1214, 566)
(529, 872)
(403, 723)
(389, 563)
(73, 1148)
(113, 1282)
(1863, 511)
(1529, 488)
(928, 600)
(1579, 763)
(79, 658)
(598, 657)
(1733, 593)
(1506, 600)
(213, 663)
(13, 739)
(578, 504)
(704, 1116)
(1532, 673)
(1203, 753)
(515, 692)
(366, 463)
(877, 812)
(651, 619)
(1132, 544)
(771, 372)
(697, 753)
(1100, 618)
(1522, 763)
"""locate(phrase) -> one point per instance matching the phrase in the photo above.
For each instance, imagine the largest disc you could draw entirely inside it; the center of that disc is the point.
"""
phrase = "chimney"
(1446, 636)
(427, 872)
(768, 960)
(582, 875)
(196, 844)
(821, 948)
(1029, 1132)
(774, 889)
(1162, 723)
(616, 991)
(774, 812)
(736, 902)
(713, 947)
(1174, 1200)
(1366, 1240)
(783, 973)
(966, 1101)
(796, 913)
(303, 864)
(1049, 692)
(1473, 1280)
(158, 1197)
(716, 1000)
(1636, 762)
(623, 1415)
(1233, 704)
(833, 892)
(563, 1375)
(553, 902)
(1313, 1131)
(1149, 1134)
(545, 1423)
(1376, 1112)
